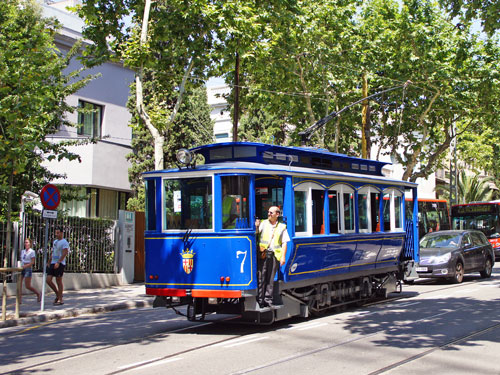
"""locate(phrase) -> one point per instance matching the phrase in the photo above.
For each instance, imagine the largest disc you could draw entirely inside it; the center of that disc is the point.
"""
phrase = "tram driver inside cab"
(229, 209)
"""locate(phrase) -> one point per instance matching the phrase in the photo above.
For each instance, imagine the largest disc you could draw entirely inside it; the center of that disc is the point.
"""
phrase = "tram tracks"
(228, 340)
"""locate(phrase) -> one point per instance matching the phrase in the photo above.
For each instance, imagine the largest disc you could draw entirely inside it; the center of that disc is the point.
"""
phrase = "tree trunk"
(412, 160)
(236, 97)
(364, 119)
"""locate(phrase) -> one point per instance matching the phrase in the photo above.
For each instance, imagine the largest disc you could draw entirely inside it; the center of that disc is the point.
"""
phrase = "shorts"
(27, 272)
(56, 272)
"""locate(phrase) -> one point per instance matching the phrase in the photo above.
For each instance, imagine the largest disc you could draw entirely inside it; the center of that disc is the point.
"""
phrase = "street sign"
(50, 197)
(49, 214)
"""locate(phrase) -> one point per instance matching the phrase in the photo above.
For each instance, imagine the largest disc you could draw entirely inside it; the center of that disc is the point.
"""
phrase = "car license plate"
(421, 269)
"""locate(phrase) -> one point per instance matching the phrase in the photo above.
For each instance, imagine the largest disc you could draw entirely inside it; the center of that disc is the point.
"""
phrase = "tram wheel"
(459, 273)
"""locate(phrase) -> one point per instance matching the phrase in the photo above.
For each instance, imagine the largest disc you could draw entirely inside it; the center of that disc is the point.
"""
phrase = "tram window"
(333, 208)
(363, 204)
(368, 209)
(235, 192)
(150, 205)
(300, 211)
(318, 205)
(266, 197)
(348, 211)
(398, 213)
(342, 196)
(393, 206)
(387, 212)
(188, 203)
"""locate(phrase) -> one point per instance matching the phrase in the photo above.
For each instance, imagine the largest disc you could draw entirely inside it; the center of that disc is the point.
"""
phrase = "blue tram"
(350, 237)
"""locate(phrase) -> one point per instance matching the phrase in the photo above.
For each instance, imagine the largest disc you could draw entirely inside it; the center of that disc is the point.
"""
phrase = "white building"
(102, 174)
(221, 113)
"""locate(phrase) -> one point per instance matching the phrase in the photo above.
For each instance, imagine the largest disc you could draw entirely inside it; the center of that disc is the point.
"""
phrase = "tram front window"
(188, 203)
(235, 211)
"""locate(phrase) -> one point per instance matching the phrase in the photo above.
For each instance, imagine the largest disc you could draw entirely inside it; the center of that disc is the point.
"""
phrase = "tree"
(193, 126)
(473, 188)
(487, 11)
(317, 61)
(33, 88)
(168, 44)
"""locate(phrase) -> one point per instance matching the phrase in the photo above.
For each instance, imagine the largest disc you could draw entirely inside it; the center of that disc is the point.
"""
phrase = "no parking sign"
(50, 197)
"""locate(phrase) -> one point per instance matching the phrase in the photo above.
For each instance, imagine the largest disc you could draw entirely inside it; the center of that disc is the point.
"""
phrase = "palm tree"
(470, 189)
(473, 188)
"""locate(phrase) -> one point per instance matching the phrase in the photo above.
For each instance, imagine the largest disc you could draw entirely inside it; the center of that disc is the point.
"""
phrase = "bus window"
(235, 210)
(187, 203)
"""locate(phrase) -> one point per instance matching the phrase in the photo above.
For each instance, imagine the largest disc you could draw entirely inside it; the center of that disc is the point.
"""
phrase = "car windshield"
(440, 240)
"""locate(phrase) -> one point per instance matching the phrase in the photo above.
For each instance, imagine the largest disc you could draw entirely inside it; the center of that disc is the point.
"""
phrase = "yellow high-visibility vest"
(265, 237)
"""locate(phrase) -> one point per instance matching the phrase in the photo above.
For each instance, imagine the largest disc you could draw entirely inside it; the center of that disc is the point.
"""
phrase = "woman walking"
(28, 260)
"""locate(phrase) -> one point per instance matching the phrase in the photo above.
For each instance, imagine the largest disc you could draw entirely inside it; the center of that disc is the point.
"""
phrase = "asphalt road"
(435, 328)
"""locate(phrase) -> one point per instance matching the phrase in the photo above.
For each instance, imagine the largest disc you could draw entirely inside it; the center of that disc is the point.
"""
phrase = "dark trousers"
(266, 269)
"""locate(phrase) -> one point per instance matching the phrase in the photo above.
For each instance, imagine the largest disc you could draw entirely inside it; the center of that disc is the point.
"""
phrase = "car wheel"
(486, 272)
(459, 273)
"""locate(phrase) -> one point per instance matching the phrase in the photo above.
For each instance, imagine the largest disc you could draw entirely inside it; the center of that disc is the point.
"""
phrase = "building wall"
(103, 164)
(221, 113)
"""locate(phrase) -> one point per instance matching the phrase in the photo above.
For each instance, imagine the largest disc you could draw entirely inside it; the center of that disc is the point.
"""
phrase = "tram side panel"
(204, 262)
(342, 255)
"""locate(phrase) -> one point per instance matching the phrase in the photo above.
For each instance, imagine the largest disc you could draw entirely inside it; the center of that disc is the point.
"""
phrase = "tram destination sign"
(474, 209)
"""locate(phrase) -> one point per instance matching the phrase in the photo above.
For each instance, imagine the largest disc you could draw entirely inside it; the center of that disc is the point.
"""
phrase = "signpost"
(50, 197)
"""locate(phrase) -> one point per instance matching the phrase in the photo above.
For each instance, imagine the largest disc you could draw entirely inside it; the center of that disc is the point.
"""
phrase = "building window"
(90, 120)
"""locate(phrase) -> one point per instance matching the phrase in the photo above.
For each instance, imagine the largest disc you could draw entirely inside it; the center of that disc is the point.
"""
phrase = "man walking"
(272, 249)
(57, 264)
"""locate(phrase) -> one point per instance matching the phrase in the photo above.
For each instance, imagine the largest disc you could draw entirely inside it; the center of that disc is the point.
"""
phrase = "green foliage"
(473, 188)
(192, 127)
(33, 88)
(261, 126)
(487, 11)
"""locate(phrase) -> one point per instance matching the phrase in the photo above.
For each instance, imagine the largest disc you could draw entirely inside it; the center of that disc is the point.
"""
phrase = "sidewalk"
(77, 302)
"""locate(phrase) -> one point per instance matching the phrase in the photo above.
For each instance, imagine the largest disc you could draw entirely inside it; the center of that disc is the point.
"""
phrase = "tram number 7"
(238, 253)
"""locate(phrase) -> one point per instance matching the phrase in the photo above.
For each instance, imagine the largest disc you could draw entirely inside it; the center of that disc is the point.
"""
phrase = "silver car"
(452, 253)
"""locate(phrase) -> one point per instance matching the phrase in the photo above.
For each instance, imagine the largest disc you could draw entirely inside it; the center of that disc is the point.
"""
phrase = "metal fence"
(91, 241)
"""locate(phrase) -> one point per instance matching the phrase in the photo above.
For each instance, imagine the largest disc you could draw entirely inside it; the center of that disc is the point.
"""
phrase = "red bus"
(433, 215)
(483, 216)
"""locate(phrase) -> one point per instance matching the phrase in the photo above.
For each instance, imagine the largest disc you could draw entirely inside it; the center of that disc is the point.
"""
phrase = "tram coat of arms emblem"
(187, 260)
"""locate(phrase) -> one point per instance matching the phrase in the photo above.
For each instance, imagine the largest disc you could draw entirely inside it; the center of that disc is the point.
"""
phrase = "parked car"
(452, 253)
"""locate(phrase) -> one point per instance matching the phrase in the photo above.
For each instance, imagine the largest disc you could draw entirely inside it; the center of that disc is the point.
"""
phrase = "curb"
(52, 316)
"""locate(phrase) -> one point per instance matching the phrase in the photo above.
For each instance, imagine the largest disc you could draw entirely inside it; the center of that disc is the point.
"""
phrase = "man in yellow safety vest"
(272, 252)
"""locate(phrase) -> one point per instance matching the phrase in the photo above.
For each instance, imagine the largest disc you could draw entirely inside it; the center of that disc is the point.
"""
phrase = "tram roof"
(306, 157)
(234, 157)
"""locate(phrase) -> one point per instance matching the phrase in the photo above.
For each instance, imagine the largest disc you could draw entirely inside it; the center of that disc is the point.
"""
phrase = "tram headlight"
(184, 156)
